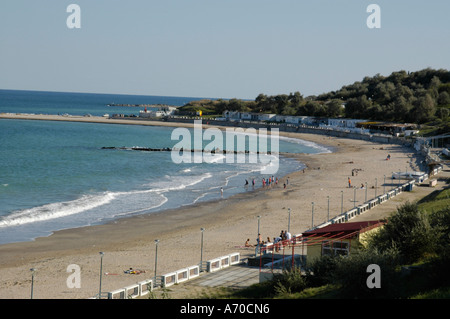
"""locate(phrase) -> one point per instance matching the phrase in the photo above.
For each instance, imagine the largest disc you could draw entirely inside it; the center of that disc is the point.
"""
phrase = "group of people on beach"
(266, 182)
(269, 181)
(284, 235)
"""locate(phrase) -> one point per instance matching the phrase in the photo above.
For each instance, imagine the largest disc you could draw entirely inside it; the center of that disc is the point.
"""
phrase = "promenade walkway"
(209, 284)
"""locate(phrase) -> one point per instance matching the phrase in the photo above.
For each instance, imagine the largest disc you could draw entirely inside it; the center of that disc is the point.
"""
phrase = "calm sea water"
(56, 175)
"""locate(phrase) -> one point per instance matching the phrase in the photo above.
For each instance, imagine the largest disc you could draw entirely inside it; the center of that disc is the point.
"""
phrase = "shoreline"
(101, 120)
(129, 242)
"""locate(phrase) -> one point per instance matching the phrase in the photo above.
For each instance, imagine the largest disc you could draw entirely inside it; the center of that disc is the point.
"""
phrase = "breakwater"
(169, 149)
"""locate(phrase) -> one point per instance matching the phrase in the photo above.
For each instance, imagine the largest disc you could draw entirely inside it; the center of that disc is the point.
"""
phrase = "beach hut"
(338, 239)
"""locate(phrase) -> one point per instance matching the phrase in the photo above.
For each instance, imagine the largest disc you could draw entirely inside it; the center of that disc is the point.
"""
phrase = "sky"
(216, 48)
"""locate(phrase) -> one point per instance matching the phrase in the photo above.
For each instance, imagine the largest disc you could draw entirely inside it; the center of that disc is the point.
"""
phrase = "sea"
(60, 175)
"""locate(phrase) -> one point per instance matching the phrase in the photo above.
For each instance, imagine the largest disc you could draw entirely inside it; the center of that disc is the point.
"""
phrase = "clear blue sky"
(216, 48)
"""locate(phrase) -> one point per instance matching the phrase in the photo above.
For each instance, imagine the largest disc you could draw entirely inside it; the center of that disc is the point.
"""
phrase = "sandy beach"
(129, 242)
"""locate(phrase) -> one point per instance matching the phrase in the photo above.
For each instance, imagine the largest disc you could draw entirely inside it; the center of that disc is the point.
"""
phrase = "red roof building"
(338, 239)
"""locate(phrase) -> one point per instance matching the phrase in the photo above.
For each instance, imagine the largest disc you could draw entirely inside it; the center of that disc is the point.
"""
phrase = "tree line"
(405, 97)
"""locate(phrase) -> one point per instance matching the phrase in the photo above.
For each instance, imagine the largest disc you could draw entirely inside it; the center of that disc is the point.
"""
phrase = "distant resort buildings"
(362, 126)
(157, 111)
(351, 125)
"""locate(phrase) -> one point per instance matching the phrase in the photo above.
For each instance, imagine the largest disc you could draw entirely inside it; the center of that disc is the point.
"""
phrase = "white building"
(347, 123)
(157, 111)
(267, 117)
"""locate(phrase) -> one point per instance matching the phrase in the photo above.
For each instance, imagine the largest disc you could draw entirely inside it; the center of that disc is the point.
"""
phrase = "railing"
(143, 288)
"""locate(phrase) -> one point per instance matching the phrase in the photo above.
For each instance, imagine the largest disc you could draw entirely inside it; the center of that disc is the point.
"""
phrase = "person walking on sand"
(221, 191)
(349, 183)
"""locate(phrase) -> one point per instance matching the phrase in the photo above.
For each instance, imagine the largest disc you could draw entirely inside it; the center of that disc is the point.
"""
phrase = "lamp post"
(33, 270)
(342, 202)
(101, 272)
(156, 255)
(354, 197)
(328, 210)
(257, 238)
(376, 185)
(201, 251)
(366, 194)
(312, 215)
(384, 185)
(289, 220)
(259, 218)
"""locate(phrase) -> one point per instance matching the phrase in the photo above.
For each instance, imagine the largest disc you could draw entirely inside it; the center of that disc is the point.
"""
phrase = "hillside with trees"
(402, 97)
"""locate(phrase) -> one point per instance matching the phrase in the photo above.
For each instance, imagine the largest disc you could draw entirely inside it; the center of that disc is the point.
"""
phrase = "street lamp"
(289, 221)
(259, 218)
(366, 194)
(312, 215)
(101, 272)
(328, 197)
(33, 270)
(342, 202)
(376, 185)
(156, 255)
(354, 197)
(201, 252)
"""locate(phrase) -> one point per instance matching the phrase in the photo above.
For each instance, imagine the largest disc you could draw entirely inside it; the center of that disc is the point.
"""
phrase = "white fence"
(361, 209)
(145, 287)
(222, 262)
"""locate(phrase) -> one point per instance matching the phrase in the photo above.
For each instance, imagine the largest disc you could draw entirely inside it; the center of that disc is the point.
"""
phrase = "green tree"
(443, 98)
(334, 108)
(407, 230)
(401, 109)
(442, 113)
(424, 109)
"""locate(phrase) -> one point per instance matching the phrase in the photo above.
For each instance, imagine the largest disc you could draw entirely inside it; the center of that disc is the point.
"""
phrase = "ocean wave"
(164, 200)
(174, 184)
(320, 148)
(56, 210)
(88, 202)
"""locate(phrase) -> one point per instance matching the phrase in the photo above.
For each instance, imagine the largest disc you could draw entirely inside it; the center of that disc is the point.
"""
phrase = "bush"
(409, 231)
(351, 275)
(321, 270)
(440, 222)
(289, 281)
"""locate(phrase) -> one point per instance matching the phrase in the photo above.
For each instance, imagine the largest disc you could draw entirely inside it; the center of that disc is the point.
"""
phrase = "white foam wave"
(87, 202)
(321, 148)
(162, 202)
(173, 185)
(56, 210)
(214, 158)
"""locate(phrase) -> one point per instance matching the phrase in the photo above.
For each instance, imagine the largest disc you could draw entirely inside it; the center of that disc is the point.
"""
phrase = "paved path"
(208, 284)
(237, 276)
